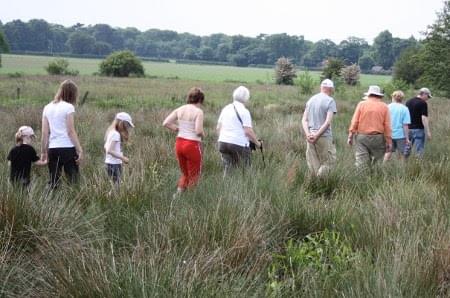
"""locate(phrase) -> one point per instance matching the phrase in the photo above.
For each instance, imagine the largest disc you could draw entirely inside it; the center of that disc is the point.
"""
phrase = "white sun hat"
(374, 90)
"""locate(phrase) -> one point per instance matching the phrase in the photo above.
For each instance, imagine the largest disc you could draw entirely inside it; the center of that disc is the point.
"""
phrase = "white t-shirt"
(56, 114)
(231, 128)
(113, 136)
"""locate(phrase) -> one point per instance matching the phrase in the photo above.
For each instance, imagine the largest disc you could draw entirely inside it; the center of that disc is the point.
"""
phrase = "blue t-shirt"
(399, 117)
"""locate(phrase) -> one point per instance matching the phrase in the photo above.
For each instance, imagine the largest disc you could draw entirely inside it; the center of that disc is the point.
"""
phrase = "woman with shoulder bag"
(236, 132)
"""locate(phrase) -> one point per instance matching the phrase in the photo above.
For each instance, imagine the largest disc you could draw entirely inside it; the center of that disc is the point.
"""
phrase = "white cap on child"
(26, 131)
(125, 117)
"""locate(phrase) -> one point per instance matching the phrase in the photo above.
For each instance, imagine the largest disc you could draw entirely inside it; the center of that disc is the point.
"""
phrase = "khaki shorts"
(321, 156)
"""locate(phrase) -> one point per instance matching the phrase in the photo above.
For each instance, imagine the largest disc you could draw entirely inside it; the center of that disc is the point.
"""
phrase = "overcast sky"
(314, 19)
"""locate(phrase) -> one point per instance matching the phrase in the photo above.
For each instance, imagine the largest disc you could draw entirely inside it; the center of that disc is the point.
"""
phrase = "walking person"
(116, 134)
(235, 130)
(370, 129)
(316, 123)
(22, 156)
(400, 120)
(187, 122)
(60, 144)
(419, 129)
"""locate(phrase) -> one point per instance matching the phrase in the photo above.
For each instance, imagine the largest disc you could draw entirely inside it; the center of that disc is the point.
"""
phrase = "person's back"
(372, 116)
(232, 130)
(56, 113)
(22, 157)
(186, 117)
(417, 107)
(399, 117)
(318, 106)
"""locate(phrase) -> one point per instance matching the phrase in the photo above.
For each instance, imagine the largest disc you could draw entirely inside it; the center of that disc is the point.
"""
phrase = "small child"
(117, 133)
(22, 156)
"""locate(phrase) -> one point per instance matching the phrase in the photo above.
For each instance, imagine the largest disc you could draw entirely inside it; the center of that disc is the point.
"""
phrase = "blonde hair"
(19, 137)
(67, 91)
(398, 96)
(121, 127)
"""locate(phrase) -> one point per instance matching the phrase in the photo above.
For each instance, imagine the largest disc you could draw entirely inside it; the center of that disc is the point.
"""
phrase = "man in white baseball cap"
(316, 123)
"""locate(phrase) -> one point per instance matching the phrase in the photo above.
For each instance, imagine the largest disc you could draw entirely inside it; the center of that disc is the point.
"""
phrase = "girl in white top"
(117, 132)
(60, 144)
(187, 121)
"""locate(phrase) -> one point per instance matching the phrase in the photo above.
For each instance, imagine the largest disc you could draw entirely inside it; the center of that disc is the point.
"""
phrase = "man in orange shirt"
(370, 129)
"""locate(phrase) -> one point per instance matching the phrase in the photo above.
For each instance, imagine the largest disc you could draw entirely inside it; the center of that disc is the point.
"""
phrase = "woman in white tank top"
(187, 122)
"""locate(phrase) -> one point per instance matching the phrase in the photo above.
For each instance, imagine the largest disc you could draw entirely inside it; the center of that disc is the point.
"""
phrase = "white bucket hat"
(125, 117)
(374, 90)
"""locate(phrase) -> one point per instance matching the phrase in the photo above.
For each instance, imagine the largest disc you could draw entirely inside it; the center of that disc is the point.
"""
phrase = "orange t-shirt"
(372, 117)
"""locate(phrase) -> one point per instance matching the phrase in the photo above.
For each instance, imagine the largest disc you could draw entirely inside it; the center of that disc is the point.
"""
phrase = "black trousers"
(233, 156)
(59, 158)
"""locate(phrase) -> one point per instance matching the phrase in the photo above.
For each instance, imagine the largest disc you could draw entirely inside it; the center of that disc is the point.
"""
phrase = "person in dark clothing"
(419, 129)
(22, 156)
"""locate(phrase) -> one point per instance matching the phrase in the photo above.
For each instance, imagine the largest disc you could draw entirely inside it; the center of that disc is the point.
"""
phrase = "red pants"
(189, 157)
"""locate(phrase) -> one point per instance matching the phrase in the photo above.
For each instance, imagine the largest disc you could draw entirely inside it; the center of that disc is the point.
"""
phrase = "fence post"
(18, 93)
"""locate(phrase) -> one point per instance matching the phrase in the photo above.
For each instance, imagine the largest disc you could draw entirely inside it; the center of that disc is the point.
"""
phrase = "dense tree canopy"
(102, 39)
(436, 52)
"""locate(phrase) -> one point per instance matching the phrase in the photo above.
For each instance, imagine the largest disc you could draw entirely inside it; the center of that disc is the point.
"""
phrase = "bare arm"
(74, 136)
(406, 132)
(44, 138)
(250, 134)
(305, 124)
(218, 128)
(426, 126)
(41, 162)
(118, 155)
(199, 124)
(170, 121)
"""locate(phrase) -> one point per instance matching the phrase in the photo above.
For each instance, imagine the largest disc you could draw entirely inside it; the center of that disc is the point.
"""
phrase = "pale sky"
(315, 19)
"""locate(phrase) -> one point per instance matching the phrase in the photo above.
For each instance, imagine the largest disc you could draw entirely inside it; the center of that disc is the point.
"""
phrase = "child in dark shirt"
(22, 156)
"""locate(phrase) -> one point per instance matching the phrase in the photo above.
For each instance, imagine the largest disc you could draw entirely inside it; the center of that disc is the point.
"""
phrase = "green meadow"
(271, 231)
(36, 65)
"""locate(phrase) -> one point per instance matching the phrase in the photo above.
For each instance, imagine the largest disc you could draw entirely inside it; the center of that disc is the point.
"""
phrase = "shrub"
(285, 72)
(60, 67)
(390, 87)
(122, 64)
(366, 63)
(306, 83)
(323, 255)
(350, 74)
(407, 67)
(332, 69)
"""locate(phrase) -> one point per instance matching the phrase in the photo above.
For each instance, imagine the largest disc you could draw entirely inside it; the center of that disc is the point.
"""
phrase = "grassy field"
(36, 64)
(272, 232)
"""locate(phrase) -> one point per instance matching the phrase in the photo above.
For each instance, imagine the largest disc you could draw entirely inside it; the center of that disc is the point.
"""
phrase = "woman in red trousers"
(187, 121)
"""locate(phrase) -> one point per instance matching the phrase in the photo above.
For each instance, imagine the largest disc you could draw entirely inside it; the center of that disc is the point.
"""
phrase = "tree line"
(101, 39)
